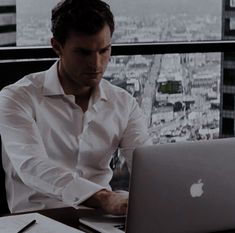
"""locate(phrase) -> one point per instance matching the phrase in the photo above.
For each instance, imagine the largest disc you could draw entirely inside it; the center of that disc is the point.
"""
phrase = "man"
(60, 127)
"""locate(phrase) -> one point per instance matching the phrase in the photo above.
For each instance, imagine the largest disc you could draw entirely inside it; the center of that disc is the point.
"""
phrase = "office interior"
(146, 69)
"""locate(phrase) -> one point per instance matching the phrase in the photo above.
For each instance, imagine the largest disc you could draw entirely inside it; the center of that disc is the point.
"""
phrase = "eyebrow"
(90, 51)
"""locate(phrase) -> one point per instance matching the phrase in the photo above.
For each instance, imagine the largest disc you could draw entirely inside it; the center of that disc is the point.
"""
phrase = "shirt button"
(76, 199)
(80, 173)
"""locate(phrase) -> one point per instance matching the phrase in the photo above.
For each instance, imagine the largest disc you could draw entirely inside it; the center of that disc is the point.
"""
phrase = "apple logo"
(196, 189)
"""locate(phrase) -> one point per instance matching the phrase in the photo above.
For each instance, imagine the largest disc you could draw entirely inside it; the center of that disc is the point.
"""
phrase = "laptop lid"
(183, 188)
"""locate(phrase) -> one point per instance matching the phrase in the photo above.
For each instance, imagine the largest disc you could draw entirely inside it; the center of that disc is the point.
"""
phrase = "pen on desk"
(120, 226)
(27, 226)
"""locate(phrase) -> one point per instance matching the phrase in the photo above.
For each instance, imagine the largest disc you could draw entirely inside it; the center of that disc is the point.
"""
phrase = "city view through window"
(136, 21)
(179, 93)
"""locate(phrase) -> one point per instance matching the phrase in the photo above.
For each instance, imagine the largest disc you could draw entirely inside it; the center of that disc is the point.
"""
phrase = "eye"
(102, 51)
(84, 52)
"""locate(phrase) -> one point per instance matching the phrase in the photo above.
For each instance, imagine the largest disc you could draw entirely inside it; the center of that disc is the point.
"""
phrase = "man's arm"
(109, 202)
(136, 133)
(25, 149)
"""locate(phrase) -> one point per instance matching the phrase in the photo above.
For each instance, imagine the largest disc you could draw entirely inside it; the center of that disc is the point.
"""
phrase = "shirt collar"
(52, 84)
(99, 92)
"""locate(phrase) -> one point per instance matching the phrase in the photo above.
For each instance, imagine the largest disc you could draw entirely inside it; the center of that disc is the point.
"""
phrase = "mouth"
(92, 73)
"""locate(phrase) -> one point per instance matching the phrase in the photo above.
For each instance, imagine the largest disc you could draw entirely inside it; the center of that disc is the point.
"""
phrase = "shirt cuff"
(78, 190)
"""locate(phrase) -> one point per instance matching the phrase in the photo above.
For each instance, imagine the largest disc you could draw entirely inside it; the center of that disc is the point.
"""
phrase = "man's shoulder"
(24, 92)
(111, 89)
(118, 97)
(30, 83)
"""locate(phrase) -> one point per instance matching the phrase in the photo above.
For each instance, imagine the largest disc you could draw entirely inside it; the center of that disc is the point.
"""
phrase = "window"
(232, 24)
(232, 3)
(7, 23)
(229, 77)
(136, 21)
(228, 124)
(183, 87)
(179, 93)
(228, 101)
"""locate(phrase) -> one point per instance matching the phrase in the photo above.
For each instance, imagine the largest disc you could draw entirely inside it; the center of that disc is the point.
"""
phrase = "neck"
(70, 87)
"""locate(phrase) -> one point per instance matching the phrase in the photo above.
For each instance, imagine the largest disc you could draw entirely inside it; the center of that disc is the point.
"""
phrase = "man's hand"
(110, 202)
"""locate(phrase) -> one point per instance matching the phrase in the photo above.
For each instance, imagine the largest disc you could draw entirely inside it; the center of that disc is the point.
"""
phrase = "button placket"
(88, 118)
(79, 119)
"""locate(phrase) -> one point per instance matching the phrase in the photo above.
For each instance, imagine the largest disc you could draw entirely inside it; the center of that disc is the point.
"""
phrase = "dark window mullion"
(7, 9)
(8, 28)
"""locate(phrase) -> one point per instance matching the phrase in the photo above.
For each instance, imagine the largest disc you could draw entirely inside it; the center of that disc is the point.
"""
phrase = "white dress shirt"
(56, 155)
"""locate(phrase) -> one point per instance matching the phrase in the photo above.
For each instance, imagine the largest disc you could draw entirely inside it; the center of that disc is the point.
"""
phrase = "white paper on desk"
(13, 223)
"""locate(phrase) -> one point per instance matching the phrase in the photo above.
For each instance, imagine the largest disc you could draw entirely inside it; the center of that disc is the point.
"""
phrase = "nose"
(94, 60)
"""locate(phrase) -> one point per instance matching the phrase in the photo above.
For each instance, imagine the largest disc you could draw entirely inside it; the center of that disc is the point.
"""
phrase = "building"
(8, 23)
(227, 116)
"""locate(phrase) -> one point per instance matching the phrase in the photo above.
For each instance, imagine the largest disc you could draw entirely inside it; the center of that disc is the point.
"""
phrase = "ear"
(56, 46)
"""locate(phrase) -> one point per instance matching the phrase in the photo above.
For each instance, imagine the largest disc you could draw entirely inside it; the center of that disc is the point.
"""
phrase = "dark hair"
(82, 16)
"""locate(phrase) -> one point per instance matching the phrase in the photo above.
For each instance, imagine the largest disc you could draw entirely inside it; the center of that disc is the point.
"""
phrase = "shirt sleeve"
(24, 146)
(135, 134)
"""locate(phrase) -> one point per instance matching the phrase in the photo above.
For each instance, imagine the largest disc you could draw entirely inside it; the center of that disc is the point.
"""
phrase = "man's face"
(84, 58)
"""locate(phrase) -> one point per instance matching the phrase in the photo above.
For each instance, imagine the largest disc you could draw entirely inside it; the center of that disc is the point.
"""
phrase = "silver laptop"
(104, 224)
(183, 188)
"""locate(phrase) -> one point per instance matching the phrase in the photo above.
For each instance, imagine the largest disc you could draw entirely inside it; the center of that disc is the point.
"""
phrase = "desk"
(68, 216)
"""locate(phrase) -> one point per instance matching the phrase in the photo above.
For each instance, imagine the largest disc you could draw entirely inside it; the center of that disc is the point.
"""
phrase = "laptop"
(104, 224)
(96, 221)
(186, 187)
